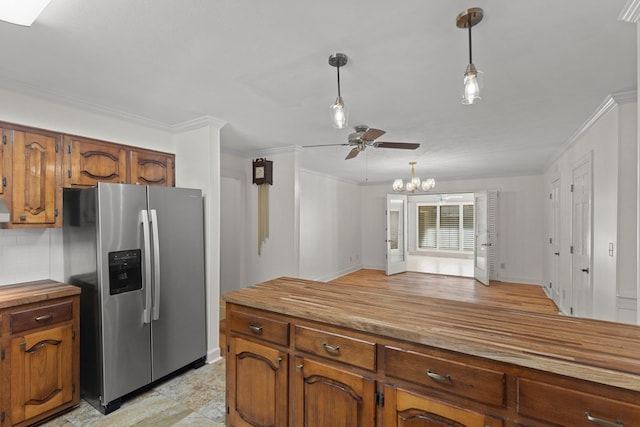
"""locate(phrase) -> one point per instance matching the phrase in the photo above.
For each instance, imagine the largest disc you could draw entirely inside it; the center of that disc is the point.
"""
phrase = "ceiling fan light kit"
(414, 183)
(338, 111)
(473, 78)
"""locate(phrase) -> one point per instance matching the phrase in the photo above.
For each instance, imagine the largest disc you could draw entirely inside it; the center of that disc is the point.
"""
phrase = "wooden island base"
(304, 353)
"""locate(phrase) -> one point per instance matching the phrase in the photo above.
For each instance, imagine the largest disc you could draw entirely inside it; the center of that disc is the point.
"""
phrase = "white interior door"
(554, 242)
(396, 233)
(481, 270)
(581, 292)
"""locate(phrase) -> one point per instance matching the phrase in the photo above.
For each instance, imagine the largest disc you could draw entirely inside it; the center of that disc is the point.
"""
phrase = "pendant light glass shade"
(339, 114)
(472, 85)
(338, 111)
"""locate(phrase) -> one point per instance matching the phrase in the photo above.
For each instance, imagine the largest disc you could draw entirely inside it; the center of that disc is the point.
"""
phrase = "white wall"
(279, 256)
(609, 139)
(330, 226)
(520, 224)
(198, 149)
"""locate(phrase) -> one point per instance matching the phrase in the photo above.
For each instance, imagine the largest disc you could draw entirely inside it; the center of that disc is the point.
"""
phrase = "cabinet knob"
(278, 361)
(299, 368)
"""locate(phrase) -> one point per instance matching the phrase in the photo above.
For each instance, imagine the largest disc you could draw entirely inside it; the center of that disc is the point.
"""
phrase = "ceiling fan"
(364, 137)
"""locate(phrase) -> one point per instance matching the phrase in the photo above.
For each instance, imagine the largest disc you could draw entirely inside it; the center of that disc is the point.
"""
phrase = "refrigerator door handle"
(143, 218)
(156, 264)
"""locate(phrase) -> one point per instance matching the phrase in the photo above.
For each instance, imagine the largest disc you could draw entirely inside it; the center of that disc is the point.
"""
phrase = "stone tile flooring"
(194, 398)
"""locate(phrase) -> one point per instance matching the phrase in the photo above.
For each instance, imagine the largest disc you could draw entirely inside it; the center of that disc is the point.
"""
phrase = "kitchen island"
(311, 353)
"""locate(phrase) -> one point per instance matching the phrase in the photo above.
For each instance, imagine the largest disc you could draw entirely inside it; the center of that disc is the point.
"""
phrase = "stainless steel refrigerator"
(137, 252)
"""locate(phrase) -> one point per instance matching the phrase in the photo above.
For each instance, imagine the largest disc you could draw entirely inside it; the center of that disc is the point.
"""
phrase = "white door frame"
(396, 234)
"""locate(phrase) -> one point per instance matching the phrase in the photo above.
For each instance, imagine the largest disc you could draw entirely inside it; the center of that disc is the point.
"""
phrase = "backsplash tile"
(27, 255)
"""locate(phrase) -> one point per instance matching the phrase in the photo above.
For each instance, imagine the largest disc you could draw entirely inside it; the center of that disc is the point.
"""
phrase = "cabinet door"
(41, 372)
(257, 385)
(404, 409)
(4, 160)
(151, 168)
(36, 170)
(329, 396)
(91, 161)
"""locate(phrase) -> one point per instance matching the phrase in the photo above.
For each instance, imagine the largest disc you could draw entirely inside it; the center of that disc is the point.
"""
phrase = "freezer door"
(178, 327)
(126, 338)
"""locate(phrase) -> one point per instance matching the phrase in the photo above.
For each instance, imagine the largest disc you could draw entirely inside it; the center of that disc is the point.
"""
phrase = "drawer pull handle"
(438, 377)
(331, 348)
(256, 329)
(603, 422)
(44, 318)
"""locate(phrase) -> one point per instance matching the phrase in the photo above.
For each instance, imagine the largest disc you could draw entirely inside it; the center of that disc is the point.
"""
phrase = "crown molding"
(607, 105)
(197, 123)
(630, 12)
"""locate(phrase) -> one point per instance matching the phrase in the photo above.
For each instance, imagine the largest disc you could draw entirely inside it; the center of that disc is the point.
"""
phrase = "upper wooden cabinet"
(88, 162)
(152, 168)
(35, 165)
(33, 187)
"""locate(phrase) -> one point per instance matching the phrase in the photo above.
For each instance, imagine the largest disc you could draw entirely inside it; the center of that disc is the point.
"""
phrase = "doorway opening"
(441, 234)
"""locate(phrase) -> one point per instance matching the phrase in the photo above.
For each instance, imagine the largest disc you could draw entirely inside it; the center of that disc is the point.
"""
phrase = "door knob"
(585, 270)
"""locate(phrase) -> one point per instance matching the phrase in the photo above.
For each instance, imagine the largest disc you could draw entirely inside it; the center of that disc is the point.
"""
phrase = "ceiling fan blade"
(322, 145)
(352, 153)
(372, 134)
(403, 145)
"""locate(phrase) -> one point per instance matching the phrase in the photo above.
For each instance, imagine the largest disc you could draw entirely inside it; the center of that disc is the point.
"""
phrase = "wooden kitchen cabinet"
(40, 351)
(89, 161)
(5, 161)
(382, 356)
(405, 409)
(33, 177)
(151, 168)
(257, 370)
(325, 395)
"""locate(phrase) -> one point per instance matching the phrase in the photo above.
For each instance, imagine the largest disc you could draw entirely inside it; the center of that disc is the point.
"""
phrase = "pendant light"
(473, 78)
(338, 110)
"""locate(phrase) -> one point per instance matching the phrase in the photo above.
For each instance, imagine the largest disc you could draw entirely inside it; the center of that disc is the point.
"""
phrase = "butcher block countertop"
(602, 352)
(30, 292)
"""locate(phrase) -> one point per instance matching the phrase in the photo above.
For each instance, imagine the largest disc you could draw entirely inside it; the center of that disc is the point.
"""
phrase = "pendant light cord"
(469, 24)
(338, 67)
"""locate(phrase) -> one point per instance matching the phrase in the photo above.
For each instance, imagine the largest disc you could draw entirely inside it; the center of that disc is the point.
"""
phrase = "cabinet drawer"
(268, 329)
(337, 347)
(563, 406)
(480, 384)
(41, 316)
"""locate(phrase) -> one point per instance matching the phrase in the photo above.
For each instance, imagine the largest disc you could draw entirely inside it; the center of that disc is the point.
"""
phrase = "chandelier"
(414, 183)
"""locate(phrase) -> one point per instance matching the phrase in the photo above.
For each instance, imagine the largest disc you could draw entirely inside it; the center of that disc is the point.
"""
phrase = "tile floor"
(194, 398)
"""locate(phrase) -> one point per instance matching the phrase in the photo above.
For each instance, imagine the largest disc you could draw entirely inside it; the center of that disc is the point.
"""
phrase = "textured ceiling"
(262, 67)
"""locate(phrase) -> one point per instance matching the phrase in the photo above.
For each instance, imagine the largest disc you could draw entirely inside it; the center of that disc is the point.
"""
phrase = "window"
(446, 227)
